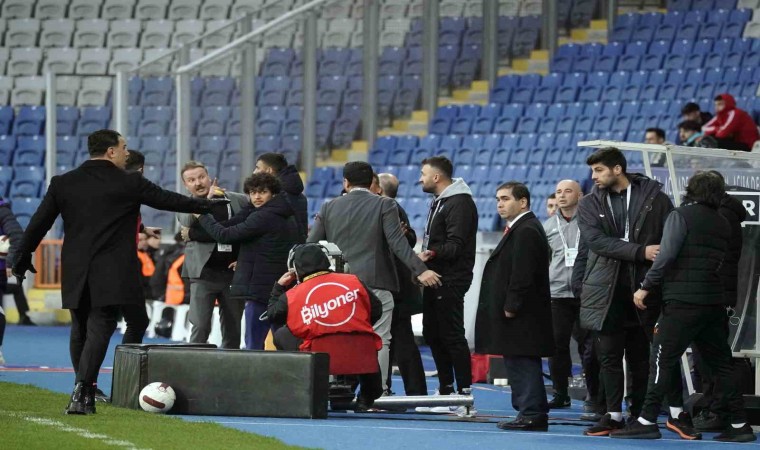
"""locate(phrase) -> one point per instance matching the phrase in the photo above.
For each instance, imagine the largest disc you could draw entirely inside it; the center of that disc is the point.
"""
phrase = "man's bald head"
(568, 194)
(389, 185)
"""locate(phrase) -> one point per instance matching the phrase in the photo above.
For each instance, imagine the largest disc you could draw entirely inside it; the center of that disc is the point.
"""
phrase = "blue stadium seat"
(30, 121)
(6, 119)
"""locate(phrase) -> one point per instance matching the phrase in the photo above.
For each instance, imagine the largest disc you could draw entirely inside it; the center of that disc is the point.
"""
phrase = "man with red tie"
(515, 303)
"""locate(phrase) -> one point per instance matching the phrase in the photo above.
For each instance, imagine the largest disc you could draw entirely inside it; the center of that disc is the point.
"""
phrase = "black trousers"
(590, 363)
(526, 378)
(611, 346)
(407, 355)
(371, 384)
(706, 381)
(681, 324)
(91, 331)
(137, 322)
(443, 329)
(564, 317)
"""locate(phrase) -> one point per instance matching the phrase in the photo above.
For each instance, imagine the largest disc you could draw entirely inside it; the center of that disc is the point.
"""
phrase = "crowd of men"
(618, 269)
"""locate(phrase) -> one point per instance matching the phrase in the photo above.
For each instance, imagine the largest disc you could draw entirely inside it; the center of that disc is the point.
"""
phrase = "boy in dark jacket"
(266, 233)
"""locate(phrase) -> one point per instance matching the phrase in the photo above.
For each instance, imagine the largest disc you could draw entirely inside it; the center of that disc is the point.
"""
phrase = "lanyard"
(627, 212)
(562, 234)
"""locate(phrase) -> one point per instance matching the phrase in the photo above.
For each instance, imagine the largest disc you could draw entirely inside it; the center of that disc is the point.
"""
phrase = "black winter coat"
(516, 279)
(732, 210)
(265, 235)
(99, 204)
(648, 211)
(293, 187)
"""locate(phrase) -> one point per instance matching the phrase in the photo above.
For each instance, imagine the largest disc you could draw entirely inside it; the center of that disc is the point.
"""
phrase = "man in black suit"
(514, 314)
(99, 202)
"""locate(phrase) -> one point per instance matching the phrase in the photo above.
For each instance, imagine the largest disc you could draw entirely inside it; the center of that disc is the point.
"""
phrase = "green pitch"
(32, 418)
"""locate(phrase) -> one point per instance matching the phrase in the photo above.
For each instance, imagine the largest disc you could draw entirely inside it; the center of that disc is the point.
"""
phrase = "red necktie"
(506, 230)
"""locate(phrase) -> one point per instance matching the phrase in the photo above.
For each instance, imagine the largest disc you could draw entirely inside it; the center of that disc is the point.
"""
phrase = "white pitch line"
(449, 430)
(81, 432)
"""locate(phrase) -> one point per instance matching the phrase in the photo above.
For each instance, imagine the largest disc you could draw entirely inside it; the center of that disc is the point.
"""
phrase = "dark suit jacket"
(516, 279)
(367, 229)
(99, 203)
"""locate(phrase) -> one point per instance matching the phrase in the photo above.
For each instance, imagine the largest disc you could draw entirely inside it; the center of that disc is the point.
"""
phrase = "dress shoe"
(525, 424)
(101, 396)
(636, 430)
(591, 416)
(89, 398)
(559, 401)
(77, 402)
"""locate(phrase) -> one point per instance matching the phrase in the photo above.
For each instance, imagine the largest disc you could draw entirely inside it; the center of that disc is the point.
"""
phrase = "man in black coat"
(621, 222)
(292, 186)
(99, 202)
(514, 314)
(449, 249)
(732, 210)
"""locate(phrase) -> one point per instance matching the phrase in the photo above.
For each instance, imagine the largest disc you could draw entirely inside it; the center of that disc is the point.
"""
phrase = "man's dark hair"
(689, 108)
(276, 161)
(719, 175)
(135, 161)
(440, 163)
(705, 188)
(259, 182)
(552, 195)
(658, 131)
(99, 141)
(690, 125)
(519, 190)
(375, 178)
(358, 174)
(608, 156)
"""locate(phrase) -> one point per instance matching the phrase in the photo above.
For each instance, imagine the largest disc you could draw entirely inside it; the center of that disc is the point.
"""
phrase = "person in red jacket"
(324, 302)
(732, 128)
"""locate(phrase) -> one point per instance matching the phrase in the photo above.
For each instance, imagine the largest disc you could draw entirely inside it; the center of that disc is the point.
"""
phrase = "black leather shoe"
(559, 401)
(25, 320)
(101, 396)
(89, 399)
(77, 402)
(525, 424)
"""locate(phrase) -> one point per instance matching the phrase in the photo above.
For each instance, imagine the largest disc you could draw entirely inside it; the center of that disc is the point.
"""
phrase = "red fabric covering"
(732, 123)
(350, 353)
(480, 365)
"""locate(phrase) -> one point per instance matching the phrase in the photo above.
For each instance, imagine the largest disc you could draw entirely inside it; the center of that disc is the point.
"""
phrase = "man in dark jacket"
(732, 210)
(99, 202)
(621, 223)
(11, 230)
(448, 248)
(694, 244)
(265, 233)
(292, 185)
(406, 303)
(514, 314)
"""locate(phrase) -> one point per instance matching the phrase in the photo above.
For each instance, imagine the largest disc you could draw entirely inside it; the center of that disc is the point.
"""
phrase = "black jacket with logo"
(606, 252)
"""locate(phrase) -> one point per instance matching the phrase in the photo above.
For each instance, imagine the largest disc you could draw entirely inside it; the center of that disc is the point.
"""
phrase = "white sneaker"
(2, 360)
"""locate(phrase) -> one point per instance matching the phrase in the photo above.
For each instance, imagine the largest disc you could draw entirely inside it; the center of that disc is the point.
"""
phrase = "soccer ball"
(157, 398)
(5, 245)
